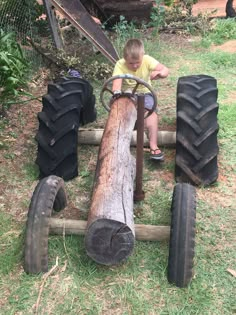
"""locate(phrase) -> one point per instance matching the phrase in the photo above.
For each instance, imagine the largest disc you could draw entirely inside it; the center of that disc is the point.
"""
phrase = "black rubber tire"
(196, 130)
(68, 104)
(49, 194)
(57, 151)
(88, 113)
(182, 235)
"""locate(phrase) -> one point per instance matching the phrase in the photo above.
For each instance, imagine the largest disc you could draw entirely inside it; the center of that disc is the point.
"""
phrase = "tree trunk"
(110, 231)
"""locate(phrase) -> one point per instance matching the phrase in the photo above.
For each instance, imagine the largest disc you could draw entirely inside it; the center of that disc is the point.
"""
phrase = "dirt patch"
(229, 47)
(231, 98)
(214, 8)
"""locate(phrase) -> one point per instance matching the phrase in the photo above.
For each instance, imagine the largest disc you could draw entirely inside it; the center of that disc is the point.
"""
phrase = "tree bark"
(78, 227)
(110, 231)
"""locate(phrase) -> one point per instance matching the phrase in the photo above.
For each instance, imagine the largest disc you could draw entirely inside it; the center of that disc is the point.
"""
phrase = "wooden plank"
(77, 15)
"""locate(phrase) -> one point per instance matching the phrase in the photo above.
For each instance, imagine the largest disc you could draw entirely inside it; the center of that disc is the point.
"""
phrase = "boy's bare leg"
(151, 124)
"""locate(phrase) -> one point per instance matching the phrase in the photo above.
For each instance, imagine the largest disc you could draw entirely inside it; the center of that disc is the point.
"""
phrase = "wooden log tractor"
(110, 231)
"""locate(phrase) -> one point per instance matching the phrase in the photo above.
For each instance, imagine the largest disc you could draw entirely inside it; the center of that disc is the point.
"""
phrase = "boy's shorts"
(148, 101)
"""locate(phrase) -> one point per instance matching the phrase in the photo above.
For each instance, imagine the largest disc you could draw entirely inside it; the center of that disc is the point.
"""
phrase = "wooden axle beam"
(78, 227)
(94, 136)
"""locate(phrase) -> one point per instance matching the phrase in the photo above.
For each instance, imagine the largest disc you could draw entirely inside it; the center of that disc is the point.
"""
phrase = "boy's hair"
(133, 49)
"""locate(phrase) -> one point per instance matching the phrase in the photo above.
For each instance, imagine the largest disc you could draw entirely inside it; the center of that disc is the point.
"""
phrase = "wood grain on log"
(110, 230)
(78, 227)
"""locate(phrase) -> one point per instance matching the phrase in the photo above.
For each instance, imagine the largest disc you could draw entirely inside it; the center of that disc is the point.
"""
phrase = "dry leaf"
(232, 272)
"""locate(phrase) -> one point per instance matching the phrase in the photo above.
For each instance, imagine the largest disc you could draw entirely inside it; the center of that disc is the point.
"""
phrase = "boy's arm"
(116, 85)
(159, 72)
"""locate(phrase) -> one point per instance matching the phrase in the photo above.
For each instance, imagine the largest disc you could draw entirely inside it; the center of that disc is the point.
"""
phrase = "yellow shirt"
(143, 72)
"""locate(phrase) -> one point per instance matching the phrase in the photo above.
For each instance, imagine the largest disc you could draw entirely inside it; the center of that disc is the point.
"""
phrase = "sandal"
(156, 154)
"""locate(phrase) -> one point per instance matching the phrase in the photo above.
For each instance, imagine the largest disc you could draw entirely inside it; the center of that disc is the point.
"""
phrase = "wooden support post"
(78, 227)
(110, 231)
(53, 24)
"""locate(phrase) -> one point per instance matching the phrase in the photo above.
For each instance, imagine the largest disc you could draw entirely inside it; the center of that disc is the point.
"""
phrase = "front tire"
(49, 194)
(182, 235)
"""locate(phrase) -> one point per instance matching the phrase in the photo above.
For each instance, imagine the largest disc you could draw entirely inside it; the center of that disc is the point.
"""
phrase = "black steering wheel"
(139, 81)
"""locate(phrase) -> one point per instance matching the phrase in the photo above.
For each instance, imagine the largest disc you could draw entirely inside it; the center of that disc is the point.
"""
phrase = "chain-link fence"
(21, 24)
(24, 19)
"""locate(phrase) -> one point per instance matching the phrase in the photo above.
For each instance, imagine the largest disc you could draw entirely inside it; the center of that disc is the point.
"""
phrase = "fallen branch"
(46, 55)
(45, 277)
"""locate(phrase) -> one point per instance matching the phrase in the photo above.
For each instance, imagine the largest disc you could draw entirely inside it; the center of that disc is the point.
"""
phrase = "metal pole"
(139, 193)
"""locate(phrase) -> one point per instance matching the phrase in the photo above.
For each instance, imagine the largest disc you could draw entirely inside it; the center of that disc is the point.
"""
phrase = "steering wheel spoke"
(108, 90)
(135, 88)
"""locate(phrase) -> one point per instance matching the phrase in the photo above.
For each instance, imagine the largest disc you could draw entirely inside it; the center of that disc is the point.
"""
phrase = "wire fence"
(22, 22)
(31, 39)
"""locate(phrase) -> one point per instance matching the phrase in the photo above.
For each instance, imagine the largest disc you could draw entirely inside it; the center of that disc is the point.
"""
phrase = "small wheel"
(139, 81)
(49, 194)
(182, 235)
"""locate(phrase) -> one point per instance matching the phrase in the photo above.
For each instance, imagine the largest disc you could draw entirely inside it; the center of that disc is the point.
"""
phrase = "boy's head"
(133, 53)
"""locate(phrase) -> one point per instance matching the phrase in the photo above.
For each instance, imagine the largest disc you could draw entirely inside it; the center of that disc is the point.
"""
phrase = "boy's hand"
(116, 94)
(155, 75)
(160, 72)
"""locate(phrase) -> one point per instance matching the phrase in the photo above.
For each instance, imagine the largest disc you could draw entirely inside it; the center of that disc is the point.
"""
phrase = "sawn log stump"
(110, 229)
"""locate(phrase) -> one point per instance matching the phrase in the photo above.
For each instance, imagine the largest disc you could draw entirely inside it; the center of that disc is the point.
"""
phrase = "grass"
(223, 30)
(138, 286)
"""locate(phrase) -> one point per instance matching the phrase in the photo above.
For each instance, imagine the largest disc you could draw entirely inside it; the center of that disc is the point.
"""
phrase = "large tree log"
(137, 10)
(94, 136)
(110, 231)
(78, 227)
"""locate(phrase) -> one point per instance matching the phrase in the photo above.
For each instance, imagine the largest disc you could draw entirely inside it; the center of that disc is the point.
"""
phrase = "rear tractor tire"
(68, 103)
(196, 131)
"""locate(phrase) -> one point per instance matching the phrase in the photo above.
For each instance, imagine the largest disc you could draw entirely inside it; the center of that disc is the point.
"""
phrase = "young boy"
(147, 68)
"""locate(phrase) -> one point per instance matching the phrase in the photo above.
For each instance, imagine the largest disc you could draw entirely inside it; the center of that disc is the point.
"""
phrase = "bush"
(178, 18)
(13, 66)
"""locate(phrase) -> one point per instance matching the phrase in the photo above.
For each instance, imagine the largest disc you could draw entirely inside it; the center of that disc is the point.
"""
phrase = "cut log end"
(109, 242)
